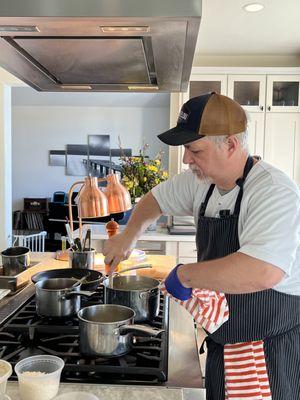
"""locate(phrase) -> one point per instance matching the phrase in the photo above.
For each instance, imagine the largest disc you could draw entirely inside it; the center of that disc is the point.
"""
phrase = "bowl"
(39, 377)
(5, 373)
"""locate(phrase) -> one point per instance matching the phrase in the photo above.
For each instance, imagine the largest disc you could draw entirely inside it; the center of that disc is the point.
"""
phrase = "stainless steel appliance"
(140, 293)
(100, 45)
(24, 333)
(107, 330)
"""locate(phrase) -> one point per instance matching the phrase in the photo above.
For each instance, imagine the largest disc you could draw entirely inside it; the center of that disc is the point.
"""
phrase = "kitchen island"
(184, 374)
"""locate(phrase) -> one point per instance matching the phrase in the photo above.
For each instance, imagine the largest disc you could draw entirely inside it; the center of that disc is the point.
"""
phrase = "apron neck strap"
(240, 182)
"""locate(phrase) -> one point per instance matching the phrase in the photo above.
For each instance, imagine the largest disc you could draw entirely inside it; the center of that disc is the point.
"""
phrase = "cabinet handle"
(269, 108)
(261, 108)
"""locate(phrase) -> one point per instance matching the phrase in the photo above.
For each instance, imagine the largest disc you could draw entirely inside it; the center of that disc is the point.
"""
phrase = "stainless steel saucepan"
(59, 297)
(140, 293)
(107, 330)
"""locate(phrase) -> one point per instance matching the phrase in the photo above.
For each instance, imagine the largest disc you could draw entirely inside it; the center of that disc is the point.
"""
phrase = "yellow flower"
(157, 162)
(129, 185)
(145, 179)
(165, 174)
(152, 168)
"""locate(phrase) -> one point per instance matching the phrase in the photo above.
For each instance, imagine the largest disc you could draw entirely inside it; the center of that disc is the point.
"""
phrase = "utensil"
(77, 242)
(140, 266)
(110, 276)
(79, 281)
(15, 260)
(82, 259)
(69, 234)
(87, 239)
(93, 279)
(59, 297)
(140, 293)
(107, 330)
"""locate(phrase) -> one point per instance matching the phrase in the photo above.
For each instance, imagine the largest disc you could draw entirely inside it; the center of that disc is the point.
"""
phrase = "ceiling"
(227, 32)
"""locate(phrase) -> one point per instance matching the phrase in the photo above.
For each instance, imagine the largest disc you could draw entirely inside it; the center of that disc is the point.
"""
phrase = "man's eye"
(196, 151)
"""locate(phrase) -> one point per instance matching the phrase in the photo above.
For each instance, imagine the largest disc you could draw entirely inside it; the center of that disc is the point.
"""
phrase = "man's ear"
(232, 142)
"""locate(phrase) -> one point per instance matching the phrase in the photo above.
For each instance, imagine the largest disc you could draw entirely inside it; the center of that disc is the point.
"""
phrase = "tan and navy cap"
(208, 115)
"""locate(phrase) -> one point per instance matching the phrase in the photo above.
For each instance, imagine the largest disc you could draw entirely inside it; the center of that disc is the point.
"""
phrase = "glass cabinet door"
(248, 91)
(201, 84)
(283, 93)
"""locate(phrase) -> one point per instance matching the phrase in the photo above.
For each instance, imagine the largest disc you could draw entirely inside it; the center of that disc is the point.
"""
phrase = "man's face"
(205, 158)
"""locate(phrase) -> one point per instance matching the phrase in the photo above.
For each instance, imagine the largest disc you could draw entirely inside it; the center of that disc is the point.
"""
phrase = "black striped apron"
(267, 315)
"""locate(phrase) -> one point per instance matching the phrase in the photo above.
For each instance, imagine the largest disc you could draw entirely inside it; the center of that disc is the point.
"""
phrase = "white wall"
(5, 166)
(38, 129)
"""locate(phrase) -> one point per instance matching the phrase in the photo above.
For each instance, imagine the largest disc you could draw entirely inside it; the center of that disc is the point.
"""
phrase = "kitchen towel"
(245, 371)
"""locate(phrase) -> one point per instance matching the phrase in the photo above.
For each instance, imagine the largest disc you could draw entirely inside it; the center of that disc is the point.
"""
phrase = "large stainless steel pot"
(15, 260)
(140, 293)
(107, 330)
(59, 297)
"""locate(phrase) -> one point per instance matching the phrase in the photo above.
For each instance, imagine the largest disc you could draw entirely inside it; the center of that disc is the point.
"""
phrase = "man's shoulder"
(264, 175)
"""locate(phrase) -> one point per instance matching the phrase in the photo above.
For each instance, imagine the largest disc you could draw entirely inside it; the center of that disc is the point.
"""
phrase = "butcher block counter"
(184, 377)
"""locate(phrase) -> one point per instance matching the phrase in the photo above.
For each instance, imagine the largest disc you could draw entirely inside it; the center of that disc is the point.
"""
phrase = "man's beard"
(200, 174)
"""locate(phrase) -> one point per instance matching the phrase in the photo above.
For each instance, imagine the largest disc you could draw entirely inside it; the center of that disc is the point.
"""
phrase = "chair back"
(35, 241)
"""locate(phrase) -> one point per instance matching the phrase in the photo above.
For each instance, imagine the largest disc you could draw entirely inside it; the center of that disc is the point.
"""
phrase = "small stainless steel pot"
(59, 297)
(140, 293)
(15, 260)
(107, 330)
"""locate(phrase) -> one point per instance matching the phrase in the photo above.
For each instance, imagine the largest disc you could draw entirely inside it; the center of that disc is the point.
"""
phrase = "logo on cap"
(183, 117)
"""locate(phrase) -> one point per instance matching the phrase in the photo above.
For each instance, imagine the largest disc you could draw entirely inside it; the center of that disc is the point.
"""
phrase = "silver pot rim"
(26, 251)
(105, 323)
(106, 284)
(40, 282)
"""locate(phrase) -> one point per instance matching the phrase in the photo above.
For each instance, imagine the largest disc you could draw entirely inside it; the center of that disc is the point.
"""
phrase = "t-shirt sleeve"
(271, 231)
(176, 195)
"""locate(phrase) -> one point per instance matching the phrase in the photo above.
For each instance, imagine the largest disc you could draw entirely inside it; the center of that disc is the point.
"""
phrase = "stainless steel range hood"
(100, 45)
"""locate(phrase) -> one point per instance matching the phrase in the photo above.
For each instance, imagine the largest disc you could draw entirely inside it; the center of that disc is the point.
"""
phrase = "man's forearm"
(236, 273)
(145, 212)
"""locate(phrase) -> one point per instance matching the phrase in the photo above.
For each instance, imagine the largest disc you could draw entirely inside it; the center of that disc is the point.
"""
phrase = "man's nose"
(187, 157)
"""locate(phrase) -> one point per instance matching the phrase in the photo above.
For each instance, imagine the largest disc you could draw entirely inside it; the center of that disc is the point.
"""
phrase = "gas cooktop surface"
(26, 334)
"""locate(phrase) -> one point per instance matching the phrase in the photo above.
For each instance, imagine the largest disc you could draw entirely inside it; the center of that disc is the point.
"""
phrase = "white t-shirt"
(269, 220)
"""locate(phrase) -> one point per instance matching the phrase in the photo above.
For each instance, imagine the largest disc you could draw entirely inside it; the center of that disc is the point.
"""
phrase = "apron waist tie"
(245, 371)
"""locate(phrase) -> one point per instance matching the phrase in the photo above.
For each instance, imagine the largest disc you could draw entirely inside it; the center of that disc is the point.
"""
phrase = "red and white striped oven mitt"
(245, 371)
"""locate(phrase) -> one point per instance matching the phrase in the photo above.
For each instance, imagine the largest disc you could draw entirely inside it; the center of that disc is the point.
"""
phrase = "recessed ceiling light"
(253, 7)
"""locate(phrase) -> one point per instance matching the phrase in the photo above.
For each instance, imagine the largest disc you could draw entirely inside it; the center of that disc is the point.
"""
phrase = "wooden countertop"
(161, 265)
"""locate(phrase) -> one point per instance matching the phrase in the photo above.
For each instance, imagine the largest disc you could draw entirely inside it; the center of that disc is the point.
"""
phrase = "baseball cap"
(211, 114)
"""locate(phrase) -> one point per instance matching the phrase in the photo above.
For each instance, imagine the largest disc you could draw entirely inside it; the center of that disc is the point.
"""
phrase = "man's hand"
(175, 287)
(117, 249)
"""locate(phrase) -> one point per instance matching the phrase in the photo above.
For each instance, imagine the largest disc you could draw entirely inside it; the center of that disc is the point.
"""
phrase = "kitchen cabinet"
(282, 142)
(248, 91)
(283, 93)
(271, 98)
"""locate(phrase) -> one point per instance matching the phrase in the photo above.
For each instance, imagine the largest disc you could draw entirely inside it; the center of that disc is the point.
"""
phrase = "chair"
(35, 241)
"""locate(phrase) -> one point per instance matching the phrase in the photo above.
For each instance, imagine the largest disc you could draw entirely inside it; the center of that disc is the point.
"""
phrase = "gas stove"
(25, 334)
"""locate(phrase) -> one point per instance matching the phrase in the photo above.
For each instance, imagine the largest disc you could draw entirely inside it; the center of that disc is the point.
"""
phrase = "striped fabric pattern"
(245, 370)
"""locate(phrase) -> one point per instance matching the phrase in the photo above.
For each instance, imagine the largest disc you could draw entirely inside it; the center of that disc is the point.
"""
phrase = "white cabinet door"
(283, 93)
(256, 133)
(201, 84)
(282, 142)
(248, 90)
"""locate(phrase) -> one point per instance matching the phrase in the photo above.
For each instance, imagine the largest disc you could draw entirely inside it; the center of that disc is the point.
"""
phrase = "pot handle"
(142, 330)
(148, 294)
(78, 293)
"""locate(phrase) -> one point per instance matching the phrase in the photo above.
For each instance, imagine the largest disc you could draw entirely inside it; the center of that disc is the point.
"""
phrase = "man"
(247, 214)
